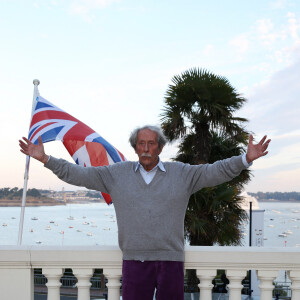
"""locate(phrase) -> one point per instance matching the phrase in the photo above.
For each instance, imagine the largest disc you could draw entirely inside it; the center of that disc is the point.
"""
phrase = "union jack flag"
(86, 146)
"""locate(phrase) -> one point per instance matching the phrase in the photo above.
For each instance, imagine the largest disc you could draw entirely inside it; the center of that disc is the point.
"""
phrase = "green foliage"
(197, 103)
(93, 195)
(288, 196)
(17, 193)
(199, 112)
(213, 217)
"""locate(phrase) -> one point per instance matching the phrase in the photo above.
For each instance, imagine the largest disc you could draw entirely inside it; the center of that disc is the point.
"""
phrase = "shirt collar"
(159, 165)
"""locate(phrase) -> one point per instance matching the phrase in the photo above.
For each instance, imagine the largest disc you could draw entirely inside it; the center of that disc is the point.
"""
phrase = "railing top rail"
(258, 258)
(116, 248)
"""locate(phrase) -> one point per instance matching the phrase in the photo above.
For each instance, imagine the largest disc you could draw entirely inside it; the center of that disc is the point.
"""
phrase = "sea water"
(73, 224)
(95, 224)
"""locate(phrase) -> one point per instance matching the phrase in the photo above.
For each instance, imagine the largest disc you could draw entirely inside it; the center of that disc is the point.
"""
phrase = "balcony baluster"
(235, 286)
(53, 276)
(295, 278)
(113, 276)
(83, 276)
(266, 283)
(205, 285)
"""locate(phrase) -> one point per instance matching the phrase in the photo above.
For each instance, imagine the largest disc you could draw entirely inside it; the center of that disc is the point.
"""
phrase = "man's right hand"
(35, 151)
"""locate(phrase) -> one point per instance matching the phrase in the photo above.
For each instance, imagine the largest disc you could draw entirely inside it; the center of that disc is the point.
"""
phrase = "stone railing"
(17, 265)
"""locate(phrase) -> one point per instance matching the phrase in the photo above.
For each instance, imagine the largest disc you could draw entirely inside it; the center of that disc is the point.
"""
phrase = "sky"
(109, 63)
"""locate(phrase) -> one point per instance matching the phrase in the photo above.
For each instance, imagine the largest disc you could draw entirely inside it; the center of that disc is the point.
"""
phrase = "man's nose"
(146, 148)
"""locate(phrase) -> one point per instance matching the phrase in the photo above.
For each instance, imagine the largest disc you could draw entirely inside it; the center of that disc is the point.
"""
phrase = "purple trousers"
(140, 279)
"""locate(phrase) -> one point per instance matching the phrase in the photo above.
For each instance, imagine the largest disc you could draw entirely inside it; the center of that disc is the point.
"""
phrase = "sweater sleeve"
(208, 175)
(94, 178)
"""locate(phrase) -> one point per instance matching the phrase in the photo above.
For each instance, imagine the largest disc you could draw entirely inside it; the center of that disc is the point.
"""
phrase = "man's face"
(147, 149)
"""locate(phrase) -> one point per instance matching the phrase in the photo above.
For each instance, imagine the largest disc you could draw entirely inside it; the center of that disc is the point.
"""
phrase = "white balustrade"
(266, 283)
(295, 278)
(18, 262)
(113, 275)
(235, 286)
(205, 285)
(83, 282)
(53, 276)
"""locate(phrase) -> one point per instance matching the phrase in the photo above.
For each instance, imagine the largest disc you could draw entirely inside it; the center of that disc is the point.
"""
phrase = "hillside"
(276, 196)
(13, 197)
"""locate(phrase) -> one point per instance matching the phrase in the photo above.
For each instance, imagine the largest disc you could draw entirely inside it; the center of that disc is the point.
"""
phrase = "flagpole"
(36, 82)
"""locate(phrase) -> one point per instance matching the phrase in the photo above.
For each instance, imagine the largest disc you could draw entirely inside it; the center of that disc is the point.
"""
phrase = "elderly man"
(150, 198)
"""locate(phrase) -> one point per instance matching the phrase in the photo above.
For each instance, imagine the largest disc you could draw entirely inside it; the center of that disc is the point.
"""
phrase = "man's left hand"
(256, 151)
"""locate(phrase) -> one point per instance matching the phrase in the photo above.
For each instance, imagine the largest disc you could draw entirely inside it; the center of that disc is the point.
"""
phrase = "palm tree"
(198, 102)
(199, 112)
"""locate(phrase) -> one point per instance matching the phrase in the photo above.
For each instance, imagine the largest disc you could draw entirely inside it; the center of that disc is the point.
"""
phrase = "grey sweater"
(150, 217)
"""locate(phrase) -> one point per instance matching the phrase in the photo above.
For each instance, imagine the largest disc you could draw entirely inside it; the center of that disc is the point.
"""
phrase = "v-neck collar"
(158, 173)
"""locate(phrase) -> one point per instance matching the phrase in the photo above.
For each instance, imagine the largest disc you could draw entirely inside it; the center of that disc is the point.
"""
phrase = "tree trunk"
(202, 143)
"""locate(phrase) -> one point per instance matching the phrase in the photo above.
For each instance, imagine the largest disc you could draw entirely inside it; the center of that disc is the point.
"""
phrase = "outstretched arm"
(35, 151)
(256, 151)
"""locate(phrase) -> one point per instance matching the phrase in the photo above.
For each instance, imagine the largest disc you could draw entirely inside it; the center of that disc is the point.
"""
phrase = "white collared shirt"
(148, 176)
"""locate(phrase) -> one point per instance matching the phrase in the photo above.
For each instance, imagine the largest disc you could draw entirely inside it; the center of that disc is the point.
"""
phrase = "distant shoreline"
(278, 201)
(35, 201)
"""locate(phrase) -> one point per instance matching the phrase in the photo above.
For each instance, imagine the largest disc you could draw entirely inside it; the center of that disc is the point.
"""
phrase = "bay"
(95, 224)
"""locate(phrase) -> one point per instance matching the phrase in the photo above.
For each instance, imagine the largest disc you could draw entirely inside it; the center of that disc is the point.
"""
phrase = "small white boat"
(282, 235)
(48, 227)
(78, 230)
(89, 234)
(85, 223)
(271, 226)
(70, 218)
(4, 224)
(106, 228)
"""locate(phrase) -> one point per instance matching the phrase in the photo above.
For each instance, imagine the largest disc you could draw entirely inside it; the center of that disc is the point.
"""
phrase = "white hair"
(161, 139)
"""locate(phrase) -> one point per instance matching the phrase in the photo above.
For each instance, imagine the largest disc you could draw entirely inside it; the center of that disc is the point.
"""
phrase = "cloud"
(84, 8)
(289, 155)
(287, 180)
(240, 45)
(208, 49)
(274, 105)
(279, 4)
(267, 33)
(290, 134)
(293, 27)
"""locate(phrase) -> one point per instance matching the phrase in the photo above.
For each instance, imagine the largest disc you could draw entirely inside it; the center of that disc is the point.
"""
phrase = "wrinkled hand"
(35, 151)
(256, 151)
